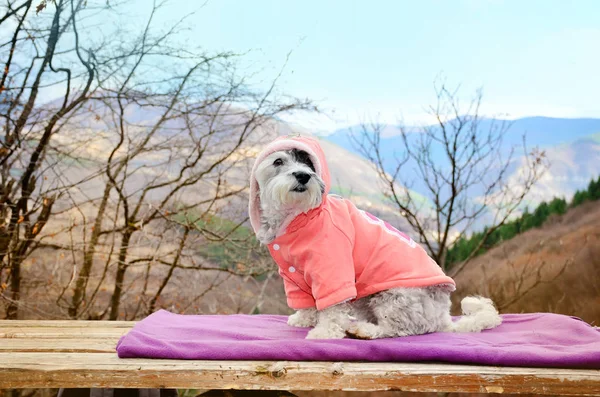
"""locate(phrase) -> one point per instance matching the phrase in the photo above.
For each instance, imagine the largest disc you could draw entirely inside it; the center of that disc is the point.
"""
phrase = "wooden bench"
(81, 354)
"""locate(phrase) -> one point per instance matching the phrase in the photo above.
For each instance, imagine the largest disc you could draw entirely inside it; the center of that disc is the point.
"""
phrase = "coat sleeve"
(296, 298)
(329, 264)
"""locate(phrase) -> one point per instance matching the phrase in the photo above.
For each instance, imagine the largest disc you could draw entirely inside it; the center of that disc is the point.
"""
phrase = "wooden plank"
(78, 370)
(65, 323)
(107, 345)
(61, 332)
(81, 354)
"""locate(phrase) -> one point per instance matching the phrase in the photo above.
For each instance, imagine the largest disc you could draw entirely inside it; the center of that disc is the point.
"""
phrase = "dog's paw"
(471, 305)
(363, 330)
(326, 333)
(300, 319)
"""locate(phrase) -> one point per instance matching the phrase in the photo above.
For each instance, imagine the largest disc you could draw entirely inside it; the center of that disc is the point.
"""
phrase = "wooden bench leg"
(168, 393)
(247, 393)
(117, 393)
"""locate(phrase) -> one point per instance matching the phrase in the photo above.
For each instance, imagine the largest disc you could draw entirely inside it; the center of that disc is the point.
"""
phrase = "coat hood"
(307, 144)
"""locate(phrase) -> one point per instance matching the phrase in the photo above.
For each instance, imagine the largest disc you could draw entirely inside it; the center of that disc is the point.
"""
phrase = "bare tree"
(461, 170)
(36, 58)
(137, 166)
(514, 281)
(525, 277)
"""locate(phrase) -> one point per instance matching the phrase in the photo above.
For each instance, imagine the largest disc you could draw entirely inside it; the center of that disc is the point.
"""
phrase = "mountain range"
(571, 146)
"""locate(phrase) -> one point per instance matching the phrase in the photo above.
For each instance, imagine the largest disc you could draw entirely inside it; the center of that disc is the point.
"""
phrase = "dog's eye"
(278, 162)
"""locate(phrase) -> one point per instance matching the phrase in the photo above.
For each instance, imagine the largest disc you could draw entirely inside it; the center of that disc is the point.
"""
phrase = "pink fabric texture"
(337, 252)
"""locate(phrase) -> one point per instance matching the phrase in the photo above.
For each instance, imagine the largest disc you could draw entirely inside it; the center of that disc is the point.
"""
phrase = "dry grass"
(555, 268)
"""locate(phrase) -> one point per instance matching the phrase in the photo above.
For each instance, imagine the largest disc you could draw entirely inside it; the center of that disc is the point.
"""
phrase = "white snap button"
(292, 269)
(276, 247)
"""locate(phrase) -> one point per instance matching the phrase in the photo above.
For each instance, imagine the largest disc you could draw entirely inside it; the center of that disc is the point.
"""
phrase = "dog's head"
(290, 176)
(288, 181)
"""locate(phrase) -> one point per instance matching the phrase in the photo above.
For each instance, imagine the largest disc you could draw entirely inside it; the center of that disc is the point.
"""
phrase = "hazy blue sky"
(366, 58)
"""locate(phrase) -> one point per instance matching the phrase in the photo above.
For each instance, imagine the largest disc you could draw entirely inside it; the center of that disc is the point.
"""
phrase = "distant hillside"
(572, 165)
(531, 218)
(352, 175)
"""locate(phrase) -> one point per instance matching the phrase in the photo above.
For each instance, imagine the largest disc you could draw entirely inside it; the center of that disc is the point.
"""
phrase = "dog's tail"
(478, 314)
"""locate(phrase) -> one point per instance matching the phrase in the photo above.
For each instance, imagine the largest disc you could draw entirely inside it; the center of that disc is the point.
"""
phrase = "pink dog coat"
(337, 252)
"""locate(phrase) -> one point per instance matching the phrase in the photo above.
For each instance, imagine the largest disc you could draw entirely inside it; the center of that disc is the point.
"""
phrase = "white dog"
(345, 271)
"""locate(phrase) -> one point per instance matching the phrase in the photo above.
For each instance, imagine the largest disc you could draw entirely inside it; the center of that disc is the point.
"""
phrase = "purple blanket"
(532, 340)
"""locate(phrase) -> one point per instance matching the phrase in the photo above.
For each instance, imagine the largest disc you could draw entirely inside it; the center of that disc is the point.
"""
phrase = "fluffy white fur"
(391, 313)
(278, 200)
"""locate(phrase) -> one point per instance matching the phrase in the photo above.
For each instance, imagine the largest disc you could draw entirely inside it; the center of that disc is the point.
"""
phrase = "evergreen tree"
(580, 197)
(558, 206)
(463, 247)
(594, 189)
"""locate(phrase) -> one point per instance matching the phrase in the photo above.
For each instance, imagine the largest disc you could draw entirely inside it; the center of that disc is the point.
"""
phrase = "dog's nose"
(302, 177)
